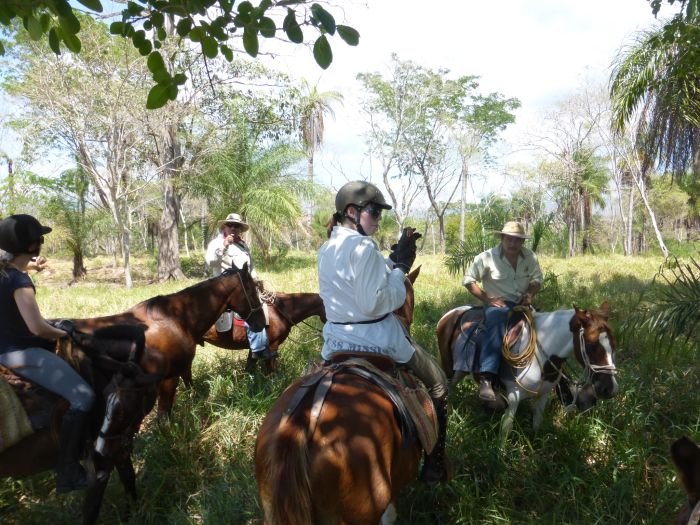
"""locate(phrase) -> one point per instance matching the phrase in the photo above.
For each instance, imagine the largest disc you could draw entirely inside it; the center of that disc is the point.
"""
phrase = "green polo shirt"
(497, 276)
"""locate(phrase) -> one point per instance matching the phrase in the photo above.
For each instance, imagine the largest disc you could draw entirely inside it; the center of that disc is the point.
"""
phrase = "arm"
(29, 310)
(477, 292)
(535, 283)
(214, 254)
(378, 289)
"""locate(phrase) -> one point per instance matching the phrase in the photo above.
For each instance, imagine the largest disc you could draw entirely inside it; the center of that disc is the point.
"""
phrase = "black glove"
(403, 253)
(65, 325)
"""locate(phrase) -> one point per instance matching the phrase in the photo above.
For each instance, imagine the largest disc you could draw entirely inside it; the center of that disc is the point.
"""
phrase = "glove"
(65, 325)
(130, 369)
(403, 253)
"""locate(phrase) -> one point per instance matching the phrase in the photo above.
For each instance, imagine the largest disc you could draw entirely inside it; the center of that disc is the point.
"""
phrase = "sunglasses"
(373, 210)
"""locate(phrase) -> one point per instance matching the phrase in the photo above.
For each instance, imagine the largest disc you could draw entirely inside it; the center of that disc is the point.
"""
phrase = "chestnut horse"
(352, 466)
(686, 458)
(120, 406)
(285, 311)
(175, 323)
(586, 333)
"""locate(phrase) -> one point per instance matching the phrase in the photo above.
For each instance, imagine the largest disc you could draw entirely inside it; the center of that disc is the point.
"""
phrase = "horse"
(686, 458)
(176, 323)
(122, 401)
(586, 333)
(350, 467)
(284, 312)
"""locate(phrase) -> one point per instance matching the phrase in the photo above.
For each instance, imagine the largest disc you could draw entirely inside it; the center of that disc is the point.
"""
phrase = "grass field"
(607, 466)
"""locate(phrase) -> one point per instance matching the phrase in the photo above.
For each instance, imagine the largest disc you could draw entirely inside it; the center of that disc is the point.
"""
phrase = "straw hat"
(234, 218)
(514, 229)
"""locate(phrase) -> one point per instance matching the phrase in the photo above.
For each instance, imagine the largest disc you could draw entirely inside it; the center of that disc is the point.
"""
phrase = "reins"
(247, 298)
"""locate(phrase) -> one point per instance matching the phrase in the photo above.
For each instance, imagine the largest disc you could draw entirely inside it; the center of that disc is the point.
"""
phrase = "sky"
(536, 50)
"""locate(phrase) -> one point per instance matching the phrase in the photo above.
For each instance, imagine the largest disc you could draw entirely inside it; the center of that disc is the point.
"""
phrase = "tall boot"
(70, 474)
(486, 383)
(435, 465)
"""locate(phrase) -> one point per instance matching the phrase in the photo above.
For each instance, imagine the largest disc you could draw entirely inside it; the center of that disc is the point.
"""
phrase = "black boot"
(435, 466)
(70, 474)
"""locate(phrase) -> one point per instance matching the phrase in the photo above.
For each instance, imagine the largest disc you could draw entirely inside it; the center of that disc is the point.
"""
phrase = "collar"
(501, 255)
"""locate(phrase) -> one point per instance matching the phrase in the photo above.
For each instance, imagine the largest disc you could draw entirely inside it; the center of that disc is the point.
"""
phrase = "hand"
(66, 325)
(526, 299)
(497, 301)
(228, 240)
(37, 264)
(404, 251)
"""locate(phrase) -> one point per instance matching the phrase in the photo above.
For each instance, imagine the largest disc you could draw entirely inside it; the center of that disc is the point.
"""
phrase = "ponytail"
(335, 219)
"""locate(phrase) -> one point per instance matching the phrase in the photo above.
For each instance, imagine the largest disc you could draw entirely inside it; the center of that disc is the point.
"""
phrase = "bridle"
(247, 298)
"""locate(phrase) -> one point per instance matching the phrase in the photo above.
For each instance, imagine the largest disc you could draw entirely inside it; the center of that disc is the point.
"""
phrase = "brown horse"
(351, 468)
(121, 404)
(175, 323)
(585, 333)
(686, 458)
(285, 311)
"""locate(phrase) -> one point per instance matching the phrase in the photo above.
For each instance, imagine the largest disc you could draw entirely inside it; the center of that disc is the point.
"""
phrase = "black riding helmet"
(19, 232)
(359, 193)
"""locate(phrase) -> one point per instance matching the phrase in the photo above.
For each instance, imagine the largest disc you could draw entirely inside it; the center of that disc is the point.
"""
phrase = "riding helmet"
(359, 193)
(18, 232)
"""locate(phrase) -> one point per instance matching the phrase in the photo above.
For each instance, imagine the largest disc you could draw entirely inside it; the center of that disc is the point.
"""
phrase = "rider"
(509, 274)
(226, 250)
(360, 290)
(27, 342)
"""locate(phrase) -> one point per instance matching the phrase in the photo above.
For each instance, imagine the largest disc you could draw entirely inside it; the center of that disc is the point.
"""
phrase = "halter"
(247, 298)
(588, 370)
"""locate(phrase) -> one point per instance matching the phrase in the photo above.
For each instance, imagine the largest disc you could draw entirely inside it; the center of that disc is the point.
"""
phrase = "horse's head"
(245, 300)
(405, 312)
(594, 347)
(686, 458)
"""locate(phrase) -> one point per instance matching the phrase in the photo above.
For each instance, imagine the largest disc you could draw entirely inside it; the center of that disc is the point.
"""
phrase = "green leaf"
(155, 62)
(267, 27)
(69, 23)
(250, 41)
(157, 96)
(349, 35)
(116, 28)
(265, 5)
(245, 7)
(45, 22)
(323, 16)
(322, 52)
(184, 26)
(162, 35)
(196, 34)
(72, 42)
(133, 8)
(157, 18)
(162, 76)
(145, 48)
(2, 49)
(291, 27)
(34, 27)
(226, 51)
(209, 47)
(54, 41)
(6, 15)
(93, 5)
(180, 79)
(172, 91)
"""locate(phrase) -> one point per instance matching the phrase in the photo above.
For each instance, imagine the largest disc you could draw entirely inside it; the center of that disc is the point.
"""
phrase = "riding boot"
(435, 466)
(70, 474)
(486, 382)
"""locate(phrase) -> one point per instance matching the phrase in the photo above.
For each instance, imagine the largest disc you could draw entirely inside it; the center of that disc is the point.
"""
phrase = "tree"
(210, 25)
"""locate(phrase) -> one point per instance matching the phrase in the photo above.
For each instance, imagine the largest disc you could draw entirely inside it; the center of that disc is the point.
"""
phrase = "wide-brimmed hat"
(234, 218)
(514, 229)
(18, 232)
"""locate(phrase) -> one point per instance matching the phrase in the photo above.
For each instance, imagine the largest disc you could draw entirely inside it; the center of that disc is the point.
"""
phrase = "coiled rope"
(523, 358)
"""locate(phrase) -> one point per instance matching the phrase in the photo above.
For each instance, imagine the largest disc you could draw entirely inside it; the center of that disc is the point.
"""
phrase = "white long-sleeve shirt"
(220, 259)
(357, 285)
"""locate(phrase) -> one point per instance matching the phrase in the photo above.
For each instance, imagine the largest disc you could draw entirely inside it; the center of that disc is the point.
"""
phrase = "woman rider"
(360, 290)
(27, 342)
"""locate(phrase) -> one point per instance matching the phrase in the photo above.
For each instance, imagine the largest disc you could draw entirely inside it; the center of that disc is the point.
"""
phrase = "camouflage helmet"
(19, 232)
(359, 193)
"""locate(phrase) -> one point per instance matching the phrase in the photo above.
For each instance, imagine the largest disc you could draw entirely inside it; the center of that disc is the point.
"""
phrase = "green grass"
(608, 466)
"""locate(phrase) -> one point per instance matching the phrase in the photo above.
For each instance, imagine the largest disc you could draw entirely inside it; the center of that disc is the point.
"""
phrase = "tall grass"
(607, 466)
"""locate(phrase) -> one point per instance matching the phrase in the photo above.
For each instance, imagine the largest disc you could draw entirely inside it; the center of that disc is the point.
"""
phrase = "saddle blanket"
(14, 423)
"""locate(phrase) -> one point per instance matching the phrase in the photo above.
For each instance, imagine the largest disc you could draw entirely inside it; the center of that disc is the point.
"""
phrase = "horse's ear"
(412, 276)
(605, 309)
(686, 457)
(245, 268)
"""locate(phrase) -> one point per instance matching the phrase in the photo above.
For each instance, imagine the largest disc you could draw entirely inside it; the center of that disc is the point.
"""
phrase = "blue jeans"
(495, 319)
(257, 341)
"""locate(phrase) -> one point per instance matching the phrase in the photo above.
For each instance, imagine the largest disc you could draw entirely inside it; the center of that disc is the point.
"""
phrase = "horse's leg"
(166, 396)
(513, 400)
(186, 375)
(250, 363)
(127, 475)
(456, 378)
(390, 515)
(96, 489)
(538, 407)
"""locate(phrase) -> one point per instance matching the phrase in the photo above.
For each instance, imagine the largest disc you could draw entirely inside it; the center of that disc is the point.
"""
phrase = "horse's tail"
(445, 328)
(282, 461)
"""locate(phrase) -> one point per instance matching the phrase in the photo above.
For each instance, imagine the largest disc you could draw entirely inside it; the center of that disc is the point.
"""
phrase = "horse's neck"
(553, 334)
(298, 307)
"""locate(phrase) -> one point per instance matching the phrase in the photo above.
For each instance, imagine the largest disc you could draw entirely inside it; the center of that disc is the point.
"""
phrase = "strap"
(319, 396)
(370, 321)
(304, 388)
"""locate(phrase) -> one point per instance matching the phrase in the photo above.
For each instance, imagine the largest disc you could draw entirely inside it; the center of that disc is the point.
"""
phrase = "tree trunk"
(629, 247)
(652, 216)
(463, 199)
(79, 271)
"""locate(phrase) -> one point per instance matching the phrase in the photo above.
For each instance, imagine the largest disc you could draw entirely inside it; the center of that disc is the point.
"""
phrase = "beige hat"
(234, 218)
(514, 229)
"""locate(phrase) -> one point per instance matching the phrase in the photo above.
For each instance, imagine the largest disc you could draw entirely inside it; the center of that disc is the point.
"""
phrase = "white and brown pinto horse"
(585, 333)
(686, 458)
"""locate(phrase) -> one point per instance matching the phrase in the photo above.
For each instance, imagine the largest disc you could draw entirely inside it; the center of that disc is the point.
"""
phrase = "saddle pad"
(465, 346)
(14, 423)
(415, 397)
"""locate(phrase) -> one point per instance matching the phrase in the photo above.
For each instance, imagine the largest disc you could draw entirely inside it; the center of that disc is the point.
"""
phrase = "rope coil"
(523, 358)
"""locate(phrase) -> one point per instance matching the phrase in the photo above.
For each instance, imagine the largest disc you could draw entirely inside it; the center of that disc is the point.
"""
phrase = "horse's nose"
(606, 387)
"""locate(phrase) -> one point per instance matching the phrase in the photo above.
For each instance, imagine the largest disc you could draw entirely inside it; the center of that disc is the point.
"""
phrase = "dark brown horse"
(121, 403)
(284, 312)
(585, 333)
(175, 323)
(353, 465)
(686, 458)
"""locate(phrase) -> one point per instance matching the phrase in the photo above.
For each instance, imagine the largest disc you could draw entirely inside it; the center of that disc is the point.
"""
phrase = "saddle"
(413, 407)
(467, 345)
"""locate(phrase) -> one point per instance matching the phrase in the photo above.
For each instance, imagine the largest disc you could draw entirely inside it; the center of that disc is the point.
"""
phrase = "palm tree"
(257, 182)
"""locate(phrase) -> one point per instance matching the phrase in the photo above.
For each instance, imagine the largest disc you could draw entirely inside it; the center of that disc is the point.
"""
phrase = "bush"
(194, 266)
